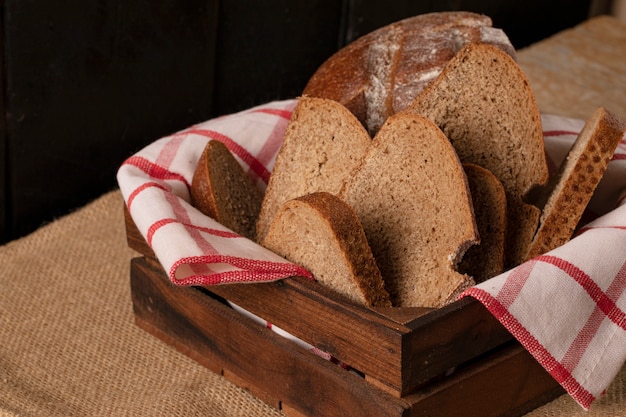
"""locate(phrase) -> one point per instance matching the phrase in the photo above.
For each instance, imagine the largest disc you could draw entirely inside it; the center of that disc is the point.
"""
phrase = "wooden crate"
(453, 361)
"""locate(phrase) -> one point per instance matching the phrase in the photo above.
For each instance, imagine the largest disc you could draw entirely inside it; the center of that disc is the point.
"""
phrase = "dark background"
(86, 83)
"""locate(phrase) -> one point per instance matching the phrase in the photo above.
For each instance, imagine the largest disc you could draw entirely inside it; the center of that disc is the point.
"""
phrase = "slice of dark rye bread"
(570, 190)
(222, 190)
(483, 103)
(412, 198)
(321, 147)
(323, 234)
(486, 260)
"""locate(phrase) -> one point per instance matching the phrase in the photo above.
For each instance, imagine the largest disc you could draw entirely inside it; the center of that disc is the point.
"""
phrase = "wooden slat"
(219, 338)
(507, 382)
(401, 355)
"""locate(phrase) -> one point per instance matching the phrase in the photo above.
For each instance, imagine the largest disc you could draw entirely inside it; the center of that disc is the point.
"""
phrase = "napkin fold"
(193, 248)
(565, 307)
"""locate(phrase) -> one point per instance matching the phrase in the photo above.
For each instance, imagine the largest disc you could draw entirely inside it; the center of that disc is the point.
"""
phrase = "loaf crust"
(323, 234)
(381, 72)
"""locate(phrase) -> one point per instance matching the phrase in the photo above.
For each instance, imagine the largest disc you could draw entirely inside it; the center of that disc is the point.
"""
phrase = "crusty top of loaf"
(484, 104)
(222, 190)
(322, 146)
(381, 72)
(323, 234)
(571, 189)
(412, 197)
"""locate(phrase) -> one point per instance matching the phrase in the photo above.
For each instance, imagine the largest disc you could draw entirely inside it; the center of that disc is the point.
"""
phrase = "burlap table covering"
(68, 342)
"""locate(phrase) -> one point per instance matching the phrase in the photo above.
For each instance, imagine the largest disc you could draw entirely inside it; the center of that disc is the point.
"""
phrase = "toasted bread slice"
(413, 200)
(323, 234)
(322, 146)
(572, 187)
(486, 260)
(483, 103)
(221, 189)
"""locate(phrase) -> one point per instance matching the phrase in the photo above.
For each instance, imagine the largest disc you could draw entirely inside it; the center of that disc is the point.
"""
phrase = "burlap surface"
(68, 342)
(579, 69)
(69, 345)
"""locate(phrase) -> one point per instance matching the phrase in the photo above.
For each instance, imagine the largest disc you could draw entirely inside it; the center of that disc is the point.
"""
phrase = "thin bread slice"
(486, 260)
(322, 146)
(483, 103)
(323, 234)
(572, 187)
(221, 189)
(412, 198)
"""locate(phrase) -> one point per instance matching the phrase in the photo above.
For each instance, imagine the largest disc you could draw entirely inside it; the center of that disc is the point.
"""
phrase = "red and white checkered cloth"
(566, 307)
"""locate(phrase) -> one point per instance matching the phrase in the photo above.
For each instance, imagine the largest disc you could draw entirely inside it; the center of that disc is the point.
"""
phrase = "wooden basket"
(453, 361)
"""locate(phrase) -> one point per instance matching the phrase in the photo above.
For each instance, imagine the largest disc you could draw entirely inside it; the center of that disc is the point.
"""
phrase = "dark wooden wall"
(86, 83)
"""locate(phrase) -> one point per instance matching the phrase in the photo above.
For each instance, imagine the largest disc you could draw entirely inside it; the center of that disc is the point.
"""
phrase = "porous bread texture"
(412, 198)
(483, 103)
(381, 72)
(571, 189)
(486, 260)
(323, 234)
(222, 190)
(321, 147)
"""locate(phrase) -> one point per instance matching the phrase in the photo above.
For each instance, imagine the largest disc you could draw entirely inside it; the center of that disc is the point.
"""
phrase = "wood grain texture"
(506, 382)
(221, 339)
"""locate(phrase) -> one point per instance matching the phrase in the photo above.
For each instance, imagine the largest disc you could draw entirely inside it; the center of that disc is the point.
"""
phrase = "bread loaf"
(222, 190)
(483, 103)
(412, 198)
(571, 188)
(380, 73)
(322, 146)
(486, 260)
(323, 234)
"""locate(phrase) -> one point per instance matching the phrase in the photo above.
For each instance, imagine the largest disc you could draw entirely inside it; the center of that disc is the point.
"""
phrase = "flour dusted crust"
(380, 73)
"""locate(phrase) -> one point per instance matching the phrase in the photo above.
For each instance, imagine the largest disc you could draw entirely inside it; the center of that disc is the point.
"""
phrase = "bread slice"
(323, 234)
(571, 188)
(381, 72)
(483, 103)
(221, 189)
(413, 200)
(486, 260)
(322, 146)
